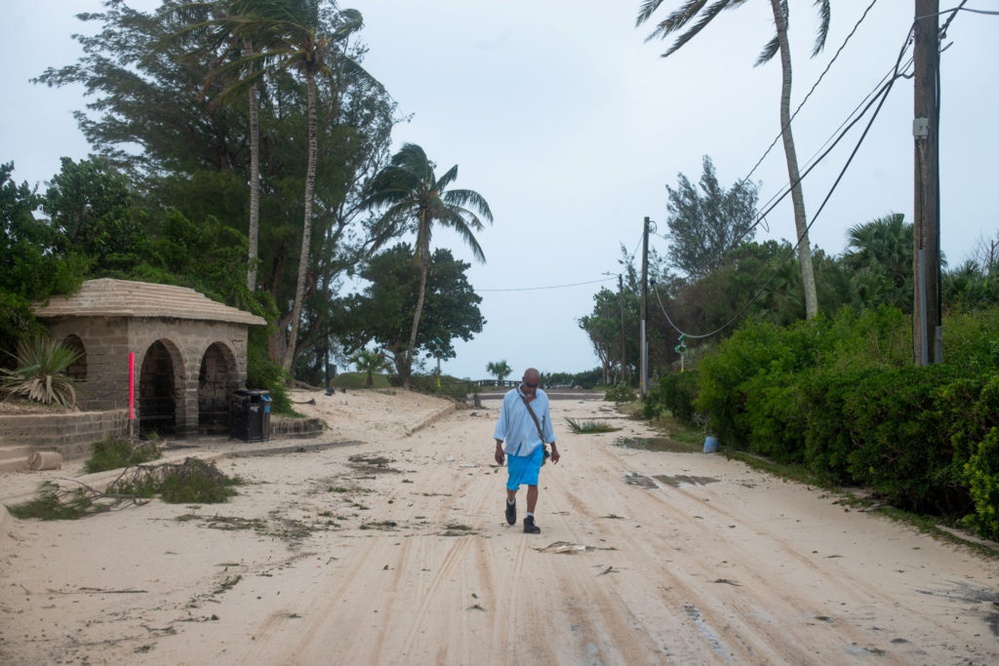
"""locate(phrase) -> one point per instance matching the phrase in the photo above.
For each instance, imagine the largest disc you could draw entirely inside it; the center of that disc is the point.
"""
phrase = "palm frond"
(769, 51)
(823, 31)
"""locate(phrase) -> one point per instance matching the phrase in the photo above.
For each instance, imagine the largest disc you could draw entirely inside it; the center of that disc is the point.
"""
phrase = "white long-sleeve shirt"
(515, 426)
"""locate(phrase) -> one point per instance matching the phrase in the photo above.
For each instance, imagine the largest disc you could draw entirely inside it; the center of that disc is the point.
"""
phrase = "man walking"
(525, 424)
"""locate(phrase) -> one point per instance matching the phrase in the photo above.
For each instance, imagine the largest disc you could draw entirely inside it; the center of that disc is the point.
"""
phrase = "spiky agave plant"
(40, 374)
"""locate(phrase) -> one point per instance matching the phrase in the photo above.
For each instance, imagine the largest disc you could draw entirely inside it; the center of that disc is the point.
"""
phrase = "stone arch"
(77, 370)
(160, 389)
(217, 379)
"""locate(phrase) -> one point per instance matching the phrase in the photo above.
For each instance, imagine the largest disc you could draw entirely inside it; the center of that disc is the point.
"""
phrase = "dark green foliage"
(707, 221)
(841, 397)
(902, 439)
(118, 452)
(384, 311)
(675, 394)
(982, 474)
(775, 418)
(971, 341)
(264, 373)
(827, 436)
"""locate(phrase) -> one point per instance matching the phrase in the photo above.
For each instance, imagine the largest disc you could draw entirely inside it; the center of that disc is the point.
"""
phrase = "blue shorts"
(524, 470)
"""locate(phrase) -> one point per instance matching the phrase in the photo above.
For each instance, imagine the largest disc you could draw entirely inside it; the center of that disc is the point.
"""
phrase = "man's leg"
(511, 506)
(532, 498)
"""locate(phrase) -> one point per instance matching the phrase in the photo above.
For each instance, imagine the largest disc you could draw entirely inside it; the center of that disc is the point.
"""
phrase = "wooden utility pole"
(926, 318)
(643, 342)
(620, 298)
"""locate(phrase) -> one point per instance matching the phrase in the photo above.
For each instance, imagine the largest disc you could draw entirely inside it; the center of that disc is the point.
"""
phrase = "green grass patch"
(589, 427)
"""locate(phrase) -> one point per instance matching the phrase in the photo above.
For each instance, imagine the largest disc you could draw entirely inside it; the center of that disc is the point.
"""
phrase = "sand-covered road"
(391, 548)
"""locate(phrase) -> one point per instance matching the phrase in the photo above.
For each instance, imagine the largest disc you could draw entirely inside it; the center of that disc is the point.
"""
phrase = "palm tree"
(289, 36)
(879, 256)
(695, 9)
(413, 199)
(499, 368)
(369, 362)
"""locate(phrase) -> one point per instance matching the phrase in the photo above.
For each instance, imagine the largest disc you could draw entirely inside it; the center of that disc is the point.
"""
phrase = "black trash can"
(250, 415)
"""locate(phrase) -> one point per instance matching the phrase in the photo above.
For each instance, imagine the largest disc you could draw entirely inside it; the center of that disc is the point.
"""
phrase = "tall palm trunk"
(423, 253)
(253, 233)
(793, 174)
(303, 262)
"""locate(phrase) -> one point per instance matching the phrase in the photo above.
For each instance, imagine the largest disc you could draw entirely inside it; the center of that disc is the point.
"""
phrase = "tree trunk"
(253, 233)
(797, 197)
(423, 251)
(303, 262)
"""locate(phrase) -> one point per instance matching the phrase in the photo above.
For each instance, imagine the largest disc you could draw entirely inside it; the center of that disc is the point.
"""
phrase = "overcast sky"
(570, 125)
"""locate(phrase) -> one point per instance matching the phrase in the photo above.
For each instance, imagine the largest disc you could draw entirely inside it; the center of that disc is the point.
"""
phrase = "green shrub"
(982, 475)
(620, 393)
(775, 419)
(971, 341)
(827, 436)
(116, 452)
(902, 436)
(264, 374)
(674, 394)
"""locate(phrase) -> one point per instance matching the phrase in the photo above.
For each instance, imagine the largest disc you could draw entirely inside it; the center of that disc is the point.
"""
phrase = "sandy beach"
(383, 541)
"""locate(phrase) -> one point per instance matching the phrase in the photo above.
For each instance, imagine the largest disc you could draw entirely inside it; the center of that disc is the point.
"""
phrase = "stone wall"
(285, 428)
(69, 434)
(180, 346)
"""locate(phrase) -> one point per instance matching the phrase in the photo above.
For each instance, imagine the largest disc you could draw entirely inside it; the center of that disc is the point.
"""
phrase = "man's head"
(530, 380)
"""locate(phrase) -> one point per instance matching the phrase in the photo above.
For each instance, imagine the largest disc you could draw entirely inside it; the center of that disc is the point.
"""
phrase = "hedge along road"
(390, 547)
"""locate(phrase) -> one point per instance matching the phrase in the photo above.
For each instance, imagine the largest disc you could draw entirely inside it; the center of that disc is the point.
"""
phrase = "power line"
(554, 286)
(883, 96)
(809, 94)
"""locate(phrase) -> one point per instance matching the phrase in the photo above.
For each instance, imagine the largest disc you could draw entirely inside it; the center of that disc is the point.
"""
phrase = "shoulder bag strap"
(527, 403)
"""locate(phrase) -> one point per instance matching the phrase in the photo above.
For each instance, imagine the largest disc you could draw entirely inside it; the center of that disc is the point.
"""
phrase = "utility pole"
(620, 296)
(643, 342)
(926, 317)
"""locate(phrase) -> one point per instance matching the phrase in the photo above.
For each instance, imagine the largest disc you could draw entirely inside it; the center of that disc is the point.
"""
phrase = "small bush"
(116, 452)
(620, 393)
(675, 394)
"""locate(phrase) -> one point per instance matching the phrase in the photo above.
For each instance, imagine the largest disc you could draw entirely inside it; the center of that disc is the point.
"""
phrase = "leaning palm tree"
(690, 10)
(413, 199)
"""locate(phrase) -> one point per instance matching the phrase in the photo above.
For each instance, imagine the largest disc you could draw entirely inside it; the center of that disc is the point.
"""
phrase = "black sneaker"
(530, 527)
(511, 513)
